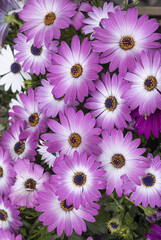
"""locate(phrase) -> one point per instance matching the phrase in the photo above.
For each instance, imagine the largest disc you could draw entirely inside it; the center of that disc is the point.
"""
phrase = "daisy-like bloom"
(18, 149)
(11, 72)
(157, 233)
(7, 235)
(27, 110)
(7, 172)
(74, 70)
(120, 156)
(123, 37)
(75, 132)
(47, 102)
(60, 215)
(45, 19)
(29, 181)
(33, 58)
(95, 17)
(78, 179)
(9, 219)
(107, 103)
(49, 158)
(149, 191)
(145, 80)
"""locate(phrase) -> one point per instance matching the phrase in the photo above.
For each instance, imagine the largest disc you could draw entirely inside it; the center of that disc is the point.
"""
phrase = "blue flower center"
(110, 103)
(79, 179)
(36, 51)
(118, 161)
(1, 172)
(19, 147)
(3, 215)
(30, 184)
(127, 43)
(149, 180)
(15, 67)
(33, 119)
(150, 83)
(54, 154)
(76, 70)
(65, 207)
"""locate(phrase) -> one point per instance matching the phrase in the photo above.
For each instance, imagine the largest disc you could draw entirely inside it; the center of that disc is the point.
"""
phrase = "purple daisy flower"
(32, 58)
(75, 131)
(96, 15)
(45, 19)
(29, 181)
(123, 37)
(74, 70)
(145, 80)
(7, 235)
(120, 156)
(60, 215)
(78, 179)
(28, 111)
(9, 219)
(7, 172)
(157, 233)
(107, 103)
(18, 149)
(47, 102)
(149, 191)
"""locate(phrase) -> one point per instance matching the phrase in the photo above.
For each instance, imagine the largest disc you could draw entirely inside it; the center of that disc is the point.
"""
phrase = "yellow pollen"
(3, 215)
(150, 83)
(110, 103)
(49, 18)
(79, 179)
(33, 119)
(76, 70)
(118, 161)
(30, 185)
(127, 43)
(59, 99)
(1, 172)
(19, 147)
(65, 207)
(149, 180)
(74, 140)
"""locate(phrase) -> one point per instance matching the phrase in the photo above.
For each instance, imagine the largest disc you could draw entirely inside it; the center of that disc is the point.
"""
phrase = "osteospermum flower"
(45, 19)
(18, 149)
(74, 70)
(123, 37)
(27, 110)
(9, 219)
(29, 181)
(120, 155)
(95, 16)
(74, 132)
(145, 80)
(11, 72)
(49, 158)
(7, 235)
(107, 103)
(7, 172)
(78, 179)
(60, 215)
(149, 191)
(156, 234)
(33, 58)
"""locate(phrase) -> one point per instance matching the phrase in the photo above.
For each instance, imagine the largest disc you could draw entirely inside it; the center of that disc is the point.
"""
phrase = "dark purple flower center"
(111, 103)
(114, 225)
(76, 70)
(65, 207)
(149, 180)
(54, 154)
(15, 67)
(36, 51)
(118, 161)
(127, 43)
(33, 119)
(150, 83)
(79, 179)
(3, 215)
(1, 172)
(49, 18)
(74, 140)
(30, 184)
(19, 147)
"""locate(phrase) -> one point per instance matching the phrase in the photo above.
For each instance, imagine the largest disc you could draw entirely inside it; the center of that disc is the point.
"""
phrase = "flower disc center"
(60, 98)
(3, 215)
(110, 103)
(79, 179)
(150, 83)
(76, 70)
(118, 161)
(19, 147)
(30, 184)
(36, 51)
(65, 207)
(1, 172)
(127, 43)
(75, 139)
(33, 119)
(49, 18)
(149, 180)
(15, 68)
